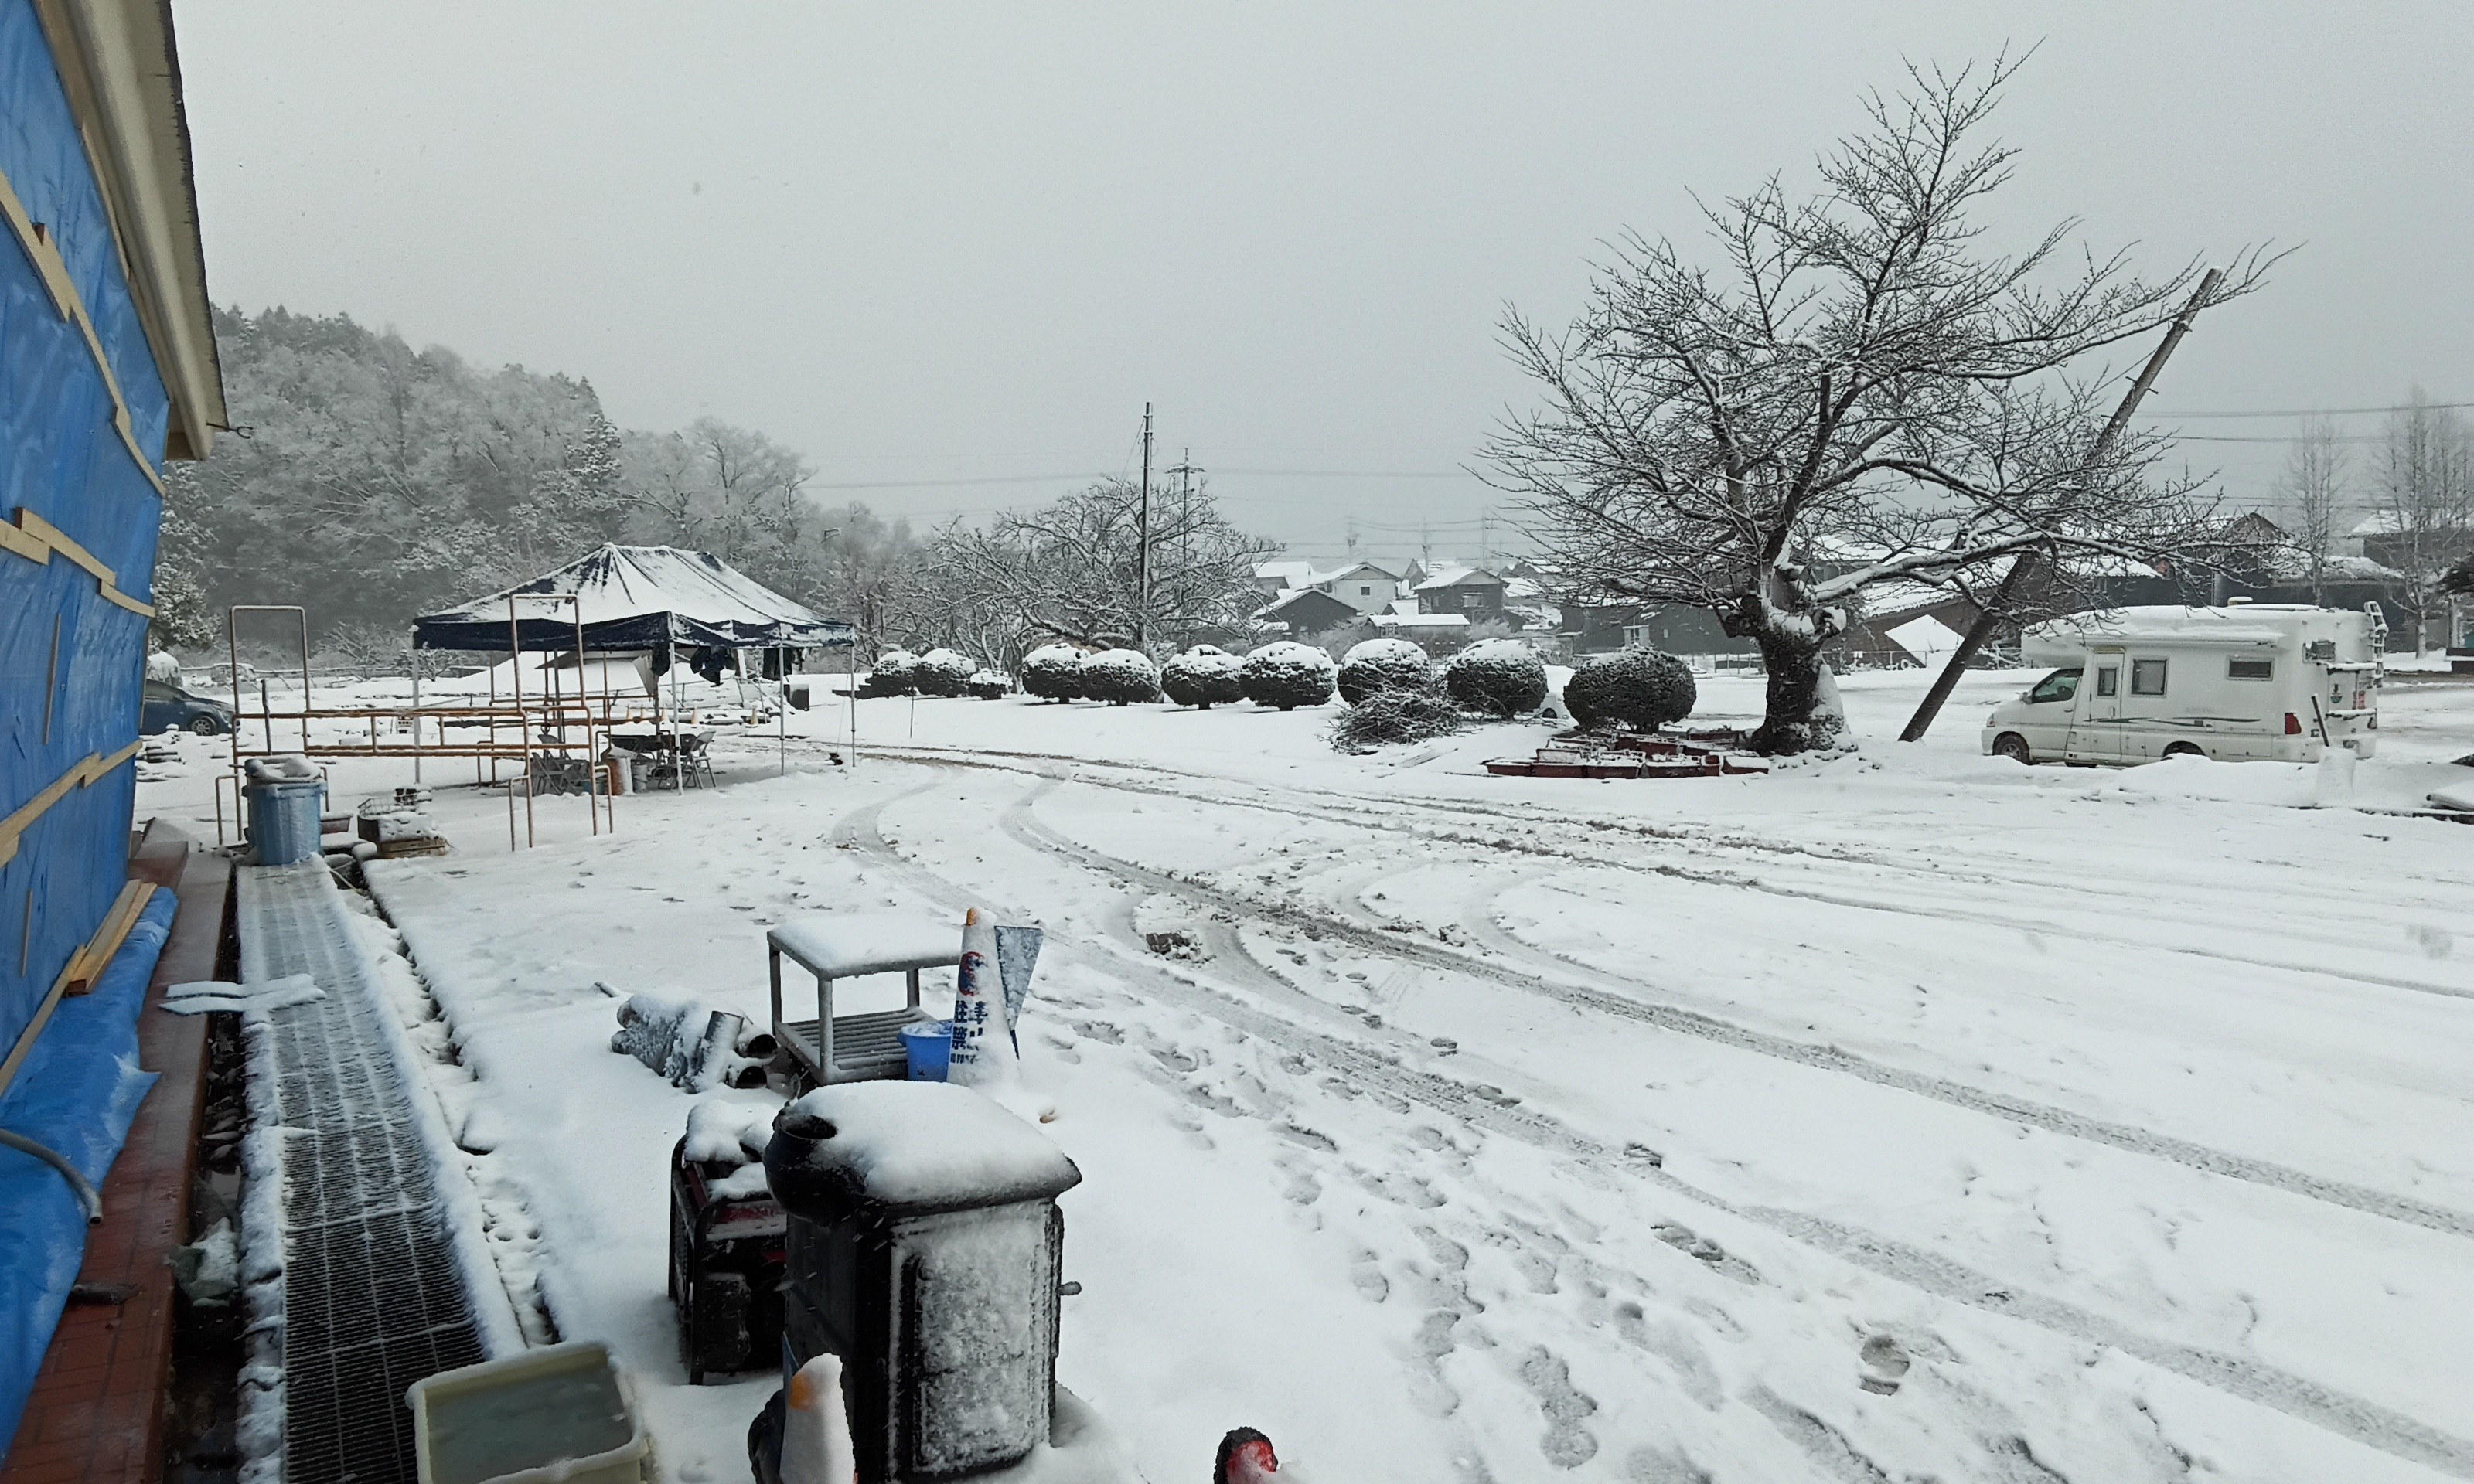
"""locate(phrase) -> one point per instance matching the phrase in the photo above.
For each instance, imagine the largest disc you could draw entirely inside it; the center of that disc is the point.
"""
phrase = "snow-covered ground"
(2116, 1126)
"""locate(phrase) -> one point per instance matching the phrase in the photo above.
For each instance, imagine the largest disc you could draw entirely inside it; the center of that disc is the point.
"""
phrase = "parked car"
(168, 707)
(2281, 681)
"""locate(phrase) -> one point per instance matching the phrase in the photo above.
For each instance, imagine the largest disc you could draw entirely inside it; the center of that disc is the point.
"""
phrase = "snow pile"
(1053, 672)
(1499, 677)
(282, 768)
(916, 1145)
(1118, 675)
(1638, 688)
(1286, 675)
(943, 672)
(720, 1131)
(1383, 664)
(892, 675)
(1204, 677)
(1397, 714)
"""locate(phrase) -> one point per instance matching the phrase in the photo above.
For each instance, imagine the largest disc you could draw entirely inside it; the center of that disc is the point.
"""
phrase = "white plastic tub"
(558, 1415)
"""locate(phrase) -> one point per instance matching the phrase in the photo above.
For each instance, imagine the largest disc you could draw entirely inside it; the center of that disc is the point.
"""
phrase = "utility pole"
(2022, 566)
(1143, 539)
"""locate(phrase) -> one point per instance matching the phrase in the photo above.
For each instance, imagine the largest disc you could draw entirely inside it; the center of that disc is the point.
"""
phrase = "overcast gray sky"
(966, 242)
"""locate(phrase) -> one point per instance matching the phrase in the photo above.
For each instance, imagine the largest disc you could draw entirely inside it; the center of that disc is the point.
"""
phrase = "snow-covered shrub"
(893, 675)
(943, 672)
(1640, 687)
(988, 685)
(1203, 677)
(1397, 713)
(1053, 672)
(1384, 664)
(1286, 675)
(1118, 675)
(1498, 677)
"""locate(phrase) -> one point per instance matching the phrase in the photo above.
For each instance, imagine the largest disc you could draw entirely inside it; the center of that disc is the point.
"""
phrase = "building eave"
(118, 65)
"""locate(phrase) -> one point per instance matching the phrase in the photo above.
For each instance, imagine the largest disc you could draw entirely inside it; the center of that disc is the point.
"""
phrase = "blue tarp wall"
(76, 1096)
(70, 669)
(60, 458)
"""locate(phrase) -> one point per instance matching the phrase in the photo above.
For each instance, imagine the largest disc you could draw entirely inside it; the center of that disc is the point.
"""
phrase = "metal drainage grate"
(373, 1298)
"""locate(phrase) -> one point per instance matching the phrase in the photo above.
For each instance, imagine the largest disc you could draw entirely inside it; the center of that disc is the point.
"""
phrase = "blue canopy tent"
(633, 599)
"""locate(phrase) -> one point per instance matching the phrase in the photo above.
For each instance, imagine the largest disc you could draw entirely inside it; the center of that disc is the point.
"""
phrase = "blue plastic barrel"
(929, 1047)
(283, 819)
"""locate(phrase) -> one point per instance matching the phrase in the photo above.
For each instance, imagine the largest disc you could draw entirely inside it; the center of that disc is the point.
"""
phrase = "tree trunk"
(1800, 714)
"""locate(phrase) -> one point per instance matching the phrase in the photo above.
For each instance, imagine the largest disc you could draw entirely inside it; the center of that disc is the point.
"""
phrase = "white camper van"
(2254, 680)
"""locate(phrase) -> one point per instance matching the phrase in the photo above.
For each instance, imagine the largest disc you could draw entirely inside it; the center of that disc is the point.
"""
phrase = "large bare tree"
(1073, 570)
(1853, 390)
(2425, 488)
(2312, 483)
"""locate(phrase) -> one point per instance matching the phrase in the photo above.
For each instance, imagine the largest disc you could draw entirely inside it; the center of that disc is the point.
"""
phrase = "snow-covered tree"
(1499, 677)
(943, 672)
(1851, 388)
(1120, 675)
(2313, 483)
(1053, 672)
(1285, 675)
(1638, 687)
(1375, 665)
(2424, 482)
(1072, 570)
(1203, 677)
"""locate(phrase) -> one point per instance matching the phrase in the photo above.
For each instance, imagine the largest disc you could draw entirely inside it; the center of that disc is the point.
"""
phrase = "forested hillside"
(369, 482)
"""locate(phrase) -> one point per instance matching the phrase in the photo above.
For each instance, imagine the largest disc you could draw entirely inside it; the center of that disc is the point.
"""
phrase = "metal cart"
(859, 1047)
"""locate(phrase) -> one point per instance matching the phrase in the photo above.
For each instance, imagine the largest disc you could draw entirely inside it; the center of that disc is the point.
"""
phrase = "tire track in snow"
(1019, 821)
(1389, 820)
(2293, 1395)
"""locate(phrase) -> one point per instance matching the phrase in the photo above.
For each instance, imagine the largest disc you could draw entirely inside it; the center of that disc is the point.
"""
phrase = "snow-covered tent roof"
(635, 597)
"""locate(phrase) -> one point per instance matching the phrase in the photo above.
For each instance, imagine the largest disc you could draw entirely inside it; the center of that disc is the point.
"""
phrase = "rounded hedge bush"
(1286, 675)
(1053, 672)
(1118, 675)
(1203, 677)
(1383, 664)
(988, 685)
(1500, 678)
(894, 674)
(943, 672)
(1638, 688)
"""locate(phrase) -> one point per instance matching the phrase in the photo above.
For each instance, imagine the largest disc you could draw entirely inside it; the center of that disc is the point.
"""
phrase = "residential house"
(1307, 611)
(1472, 592)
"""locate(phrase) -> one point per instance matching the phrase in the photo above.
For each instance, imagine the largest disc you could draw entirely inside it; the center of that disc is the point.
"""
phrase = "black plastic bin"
(925, 1249)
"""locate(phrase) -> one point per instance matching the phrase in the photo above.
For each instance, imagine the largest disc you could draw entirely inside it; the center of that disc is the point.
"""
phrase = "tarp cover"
(75, 1094)
(636, 598)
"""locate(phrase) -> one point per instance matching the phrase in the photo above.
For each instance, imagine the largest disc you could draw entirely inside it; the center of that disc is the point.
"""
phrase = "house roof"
(1354, 567)
(1460, 577)
(1306, 605)
(1288, 574)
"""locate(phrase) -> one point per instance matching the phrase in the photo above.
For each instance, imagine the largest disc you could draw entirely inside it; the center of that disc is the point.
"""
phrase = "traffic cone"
(816, 1433)
(983, 1054)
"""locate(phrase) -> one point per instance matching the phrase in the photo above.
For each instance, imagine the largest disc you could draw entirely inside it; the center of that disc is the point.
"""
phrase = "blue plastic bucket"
(929, 1047)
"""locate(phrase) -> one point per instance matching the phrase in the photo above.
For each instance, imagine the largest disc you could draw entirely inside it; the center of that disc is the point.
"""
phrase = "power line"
(2314, 412)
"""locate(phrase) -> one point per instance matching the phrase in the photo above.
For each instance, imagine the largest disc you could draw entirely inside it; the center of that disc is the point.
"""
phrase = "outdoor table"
(857, 1047)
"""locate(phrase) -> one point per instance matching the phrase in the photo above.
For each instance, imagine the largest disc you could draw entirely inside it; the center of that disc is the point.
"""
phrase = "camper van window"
(2147, 677)
(2060, 686)
(2108, 680)
(2250, 669)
